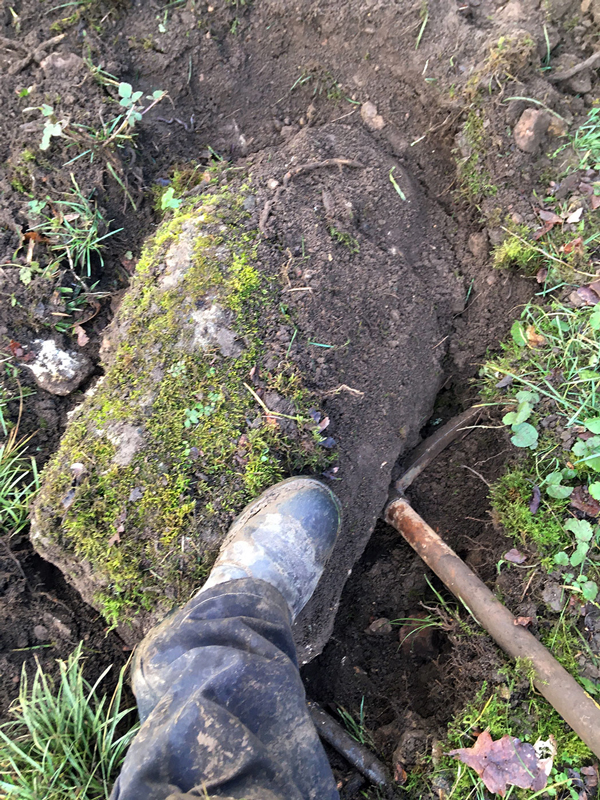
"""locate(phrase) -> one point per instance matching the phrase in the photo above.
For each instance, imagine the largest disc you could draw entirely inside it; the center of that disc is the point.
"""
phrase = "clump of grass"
(443, 615)
(74, 230)
(18, 482)
(509, 56)
(321, 81)
(65, 740)
(586, 141)
(555, 351)
(554, 359)
(357, 727)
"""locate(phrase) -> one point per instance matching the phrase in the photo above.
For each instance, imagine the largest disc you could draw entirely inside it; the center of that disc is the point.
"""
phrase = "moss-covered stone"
(173, 441)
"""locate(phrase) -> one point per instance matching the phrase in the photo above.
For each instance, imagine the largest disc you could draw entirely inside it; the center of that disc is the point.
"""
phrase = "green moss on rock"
(172, 442)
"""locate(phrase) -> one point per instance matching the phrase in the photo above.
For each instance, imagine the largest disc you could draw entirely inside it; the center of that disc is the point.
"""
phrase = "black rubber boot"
(283, 537)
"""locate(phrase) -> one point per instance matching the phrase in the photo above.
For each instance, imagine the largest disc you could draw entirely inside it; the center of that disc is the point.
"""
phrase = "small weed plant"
(168, 201)
(65, 739)
(551, 367)
(117, 130)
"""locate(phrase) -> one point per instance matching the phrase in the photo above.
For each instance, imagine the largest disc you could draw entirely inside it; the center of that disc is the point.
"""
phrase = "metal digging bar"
(551, 680)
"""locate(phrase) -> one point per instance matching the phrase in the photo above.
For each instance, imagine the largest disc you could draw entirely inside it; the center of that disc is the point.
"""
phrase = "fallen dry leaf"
(504, 762)
(595, 202)
(590, 776)
(575, 216)
(120, 524)
(15, 348)
(546, 227)
(114, 539)
(514, 556)
(524, 622)
(582, 500)
(550, 216)
(400, 775)
(536, 499)
(574, 246)
(541, 274)
(534, 338)
(82, 337)
(588, 296)
(595, 287)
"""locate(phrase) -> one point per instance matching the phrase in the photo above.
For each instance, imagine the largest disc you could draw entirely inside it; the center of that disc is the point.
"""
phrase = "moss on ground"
(474, 176)
(173, 441)
(511, 497)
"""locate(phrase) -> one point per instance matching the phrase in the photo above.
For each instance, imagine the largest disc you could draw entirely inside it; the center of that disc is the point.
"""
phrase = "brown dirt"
(232, 67)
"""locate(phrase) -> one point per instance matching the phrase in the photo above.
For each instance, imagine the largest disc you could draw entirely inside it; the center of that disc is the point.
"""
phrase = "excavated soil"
(254, 81)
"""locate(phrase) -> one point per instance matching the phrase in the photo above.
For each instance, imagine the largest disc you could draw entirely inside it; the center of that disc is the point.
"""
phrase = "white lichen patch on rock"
(211, 328)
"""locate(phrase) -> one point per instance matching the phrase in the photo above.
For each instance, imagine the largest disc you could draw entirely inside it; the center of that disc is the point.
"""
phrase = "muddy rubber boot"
(283, 537)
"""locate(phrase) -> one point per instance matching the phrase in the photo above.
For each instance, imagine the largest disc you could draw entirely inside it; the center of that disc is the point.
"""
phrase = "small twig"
(434, 128)
(479, 475)
(527, 587)
(18, 564)
(266, 212)
(267, 410)
(349, 114)
(344, 388)
(440, 342)
(569, 73)
(55, 600)
(36, 55)
(301, 168)
(312, 165)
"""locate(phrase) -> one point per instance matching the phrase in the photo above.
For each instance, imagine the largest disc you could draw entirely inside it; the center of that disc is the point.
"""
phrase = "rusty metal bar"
(424, 453)
(551, 680)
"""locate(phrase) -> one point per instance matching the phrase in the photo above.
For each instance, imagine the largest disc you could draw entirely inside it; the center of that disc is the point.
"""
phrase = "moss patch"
(474, 175)
(511, 496)
(173, 441)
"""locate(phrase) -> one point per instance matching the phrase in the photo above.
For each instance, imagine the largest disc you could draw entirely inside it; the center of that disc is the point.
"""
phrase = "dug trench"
(385, 299)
